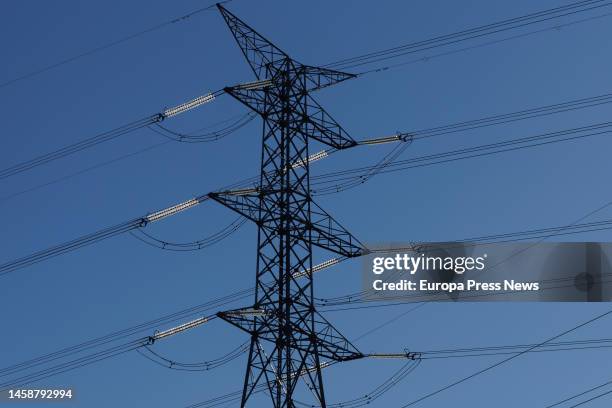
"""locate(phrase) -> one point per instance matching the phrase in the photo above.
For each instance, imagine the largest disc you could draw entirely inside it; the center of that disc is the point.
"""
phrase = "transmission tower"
(290, 341)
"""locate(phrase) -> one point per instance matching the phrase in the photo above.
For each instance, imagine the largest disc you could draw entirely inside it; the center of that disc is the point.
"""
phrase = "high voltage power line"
(430, 57)
(463, 126)
(529, 234)
(511, 349)
(329, 305)
(206, 137)
(394, 52)
(396, 377)
(341, 180)
(210, 133)
(153, 121)
(108, 45)
(142, 222)
(145, 342)
(345, 179)
(469, 34)
(191, 366)
(148, 326)
(109, 135)
(362, 174)
(274, 70)
(508, 359)
(193, 245)
(584, 393)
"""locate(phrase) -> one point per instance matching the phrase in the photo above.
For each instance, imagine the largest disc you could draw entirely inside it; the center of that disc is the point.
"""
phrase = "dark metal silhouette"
(290, 340)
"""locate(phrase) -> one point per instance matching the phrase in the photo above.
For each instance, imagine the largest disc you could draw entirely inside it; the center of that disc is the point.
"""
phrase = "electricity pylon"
(290, 340)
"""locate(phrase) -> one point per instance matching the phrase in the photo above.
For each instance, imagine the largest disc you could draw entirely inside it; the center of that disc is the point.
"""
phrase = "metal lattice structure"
(290, 340)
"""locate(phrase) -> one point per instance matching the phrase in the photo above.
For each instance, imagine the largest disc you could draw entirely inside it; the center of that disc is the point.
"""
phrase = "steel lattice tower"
(290, 340)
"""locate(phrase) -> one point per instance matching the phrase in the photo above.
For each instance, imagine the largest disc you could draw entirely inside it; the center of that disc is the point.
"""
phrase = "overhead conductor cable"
(107, 136)
(98, 236)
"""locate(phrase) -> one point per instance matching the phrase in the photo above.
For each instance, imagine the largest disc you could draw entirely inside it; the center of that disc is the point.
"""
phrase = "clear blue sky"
(122, 282)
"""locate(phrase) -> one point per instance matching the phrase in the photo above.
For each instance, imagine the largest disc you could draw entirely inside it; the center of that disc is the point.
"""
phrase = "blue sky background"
(122, 282)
